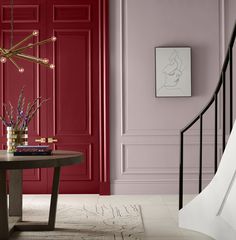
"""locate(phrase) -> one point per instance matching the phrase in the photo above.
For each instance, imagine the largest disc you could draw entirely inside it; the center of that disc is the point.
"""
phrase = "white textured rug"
(84, 221)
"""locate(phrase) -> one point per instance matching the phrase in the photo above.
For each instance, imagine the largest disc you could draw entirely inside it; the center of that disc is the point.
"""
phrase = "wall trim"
(222, 46)
(222, 32)
(161, 186)
(125, 131)
(159, 170)
(153, 181)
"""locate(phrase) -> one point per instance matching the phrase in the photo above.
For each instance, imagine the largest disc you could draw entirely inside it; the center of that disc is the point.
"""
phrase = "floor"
(159, 213)
(160, 216)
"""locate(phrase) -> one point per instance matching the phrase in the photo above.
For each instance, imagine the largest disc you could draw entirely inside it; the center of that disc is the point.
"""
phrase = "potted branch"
(17, 120)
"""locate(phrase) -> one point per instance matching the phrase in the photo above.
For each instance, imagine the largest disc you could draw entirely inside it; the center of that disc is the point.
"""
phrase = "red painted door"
(74, 89)
(26, 19)
(76, 115)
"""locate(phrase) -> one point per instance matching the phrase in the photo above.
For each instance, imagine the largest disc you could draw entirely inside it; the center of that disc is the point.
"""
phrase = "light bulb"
(53, 39)
(52, 66)
(35, 33)
(3, 59)
(21, 70)
(45, 60)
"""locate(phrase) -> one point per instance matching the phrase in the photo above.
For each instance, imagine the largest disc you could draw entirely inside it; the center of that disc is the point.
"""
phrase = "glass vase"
(16, 137)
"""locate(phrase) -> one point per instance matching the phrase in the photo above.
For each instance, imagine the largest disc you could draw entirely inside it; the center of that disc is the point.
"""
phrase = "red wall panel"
(77, 111)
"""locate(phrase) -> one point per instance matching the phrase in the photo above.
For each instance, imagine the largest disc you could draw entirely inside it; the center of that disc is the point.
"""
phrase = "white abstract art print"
(173, 72)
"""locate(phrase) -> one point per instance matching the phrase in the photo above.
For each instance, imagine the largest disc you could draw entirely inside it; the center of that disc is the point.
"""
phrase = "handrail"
(224, 67)
(214, 99)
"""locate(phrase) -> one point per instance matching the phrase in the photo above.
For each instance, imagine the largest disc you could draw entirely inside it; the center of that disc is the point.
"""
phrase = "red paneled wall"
(77, 112)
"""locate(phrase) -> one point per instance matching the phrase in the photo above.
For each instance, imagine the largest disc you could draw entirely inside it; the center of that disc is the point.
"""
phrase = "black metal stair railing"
(221, 85)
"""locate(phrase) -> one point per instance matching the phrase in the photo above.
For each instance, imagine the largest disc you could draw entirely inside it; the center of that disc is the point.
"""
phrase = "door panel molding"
(81, 171)
(32, 174)
(72, 13)
(83, 37)
(22, 13)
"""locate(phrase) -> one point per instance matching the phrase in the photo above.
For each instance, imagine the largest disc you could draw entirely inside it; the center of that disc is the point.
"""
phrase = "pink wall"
(145, 129)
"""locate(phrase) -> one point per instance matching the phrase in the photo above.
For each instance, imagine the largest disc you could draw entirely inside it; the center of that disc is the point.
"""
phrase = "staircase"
(213, 211)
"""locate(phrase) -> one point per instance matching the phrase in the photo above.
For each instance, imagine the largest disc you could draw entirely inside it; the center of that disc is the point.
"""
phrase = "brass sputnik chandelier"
(16, 51)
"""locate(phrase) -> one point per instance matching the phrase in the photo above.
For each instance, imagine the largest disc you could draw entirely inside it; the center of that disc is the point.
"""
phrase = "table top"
(57, 159)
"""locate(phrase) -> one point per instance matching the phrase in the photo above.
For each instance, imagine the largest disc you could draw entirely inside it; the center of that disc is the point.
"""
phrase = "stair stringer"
(213, 211)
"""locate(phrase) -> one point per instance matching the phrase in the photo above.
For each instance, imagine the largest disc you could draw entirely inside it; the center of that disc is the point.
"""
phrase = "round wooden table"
(16, 164)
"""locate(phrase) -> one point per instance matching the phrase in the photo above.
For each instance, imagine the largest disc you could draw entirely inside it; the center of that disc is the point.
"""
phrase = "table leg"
(15, 193)
(54, 197)
(50, 225)
(4, 229)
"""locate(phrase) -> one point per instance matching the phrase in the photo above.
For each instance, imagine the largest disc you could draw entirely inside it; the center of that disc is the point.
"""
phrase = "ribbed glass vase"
(16, 137)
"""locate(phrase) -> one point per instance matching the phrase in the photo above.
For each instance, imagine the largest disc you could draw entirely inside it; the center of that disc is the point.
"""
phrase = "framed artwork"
(173, 71)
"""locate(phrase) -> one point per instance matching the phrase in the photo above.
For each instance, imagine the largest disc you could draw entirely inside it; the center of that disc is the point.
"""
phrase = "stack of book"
(31, 150)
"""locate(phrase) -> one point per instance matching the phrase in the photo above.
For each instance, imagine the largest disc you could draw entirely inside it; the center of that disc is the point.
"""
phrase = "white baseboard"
(154, 186)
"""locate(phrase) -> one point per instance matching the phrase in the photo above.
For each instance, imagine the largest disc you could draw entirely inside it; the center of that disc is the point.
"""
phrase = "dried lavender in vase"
(19, 118)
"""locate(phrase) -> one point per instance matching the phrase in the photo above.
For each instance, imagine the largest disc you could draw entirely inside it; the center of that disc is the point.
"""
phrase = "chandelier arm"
(5, 53)
(29, 57)
(21, 42)
(33, 45)
(2, 52)
(16, 65)
(32, 59)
